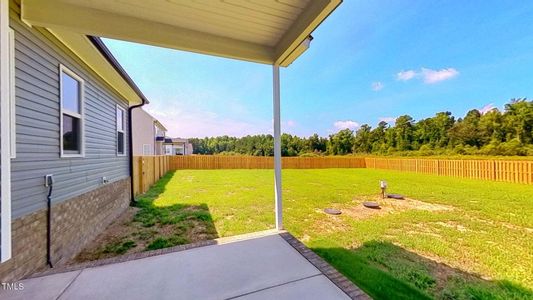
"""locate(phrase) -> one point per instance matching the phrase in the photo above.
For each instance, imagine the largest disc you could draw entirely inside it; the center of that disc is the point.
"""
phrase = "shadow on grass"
(149, 227)
(172, 225)
(387, 271)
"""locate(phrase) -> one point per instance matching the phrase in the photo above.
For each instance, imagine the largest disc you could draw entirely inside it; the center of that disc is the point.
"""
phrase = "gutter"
(101, 47)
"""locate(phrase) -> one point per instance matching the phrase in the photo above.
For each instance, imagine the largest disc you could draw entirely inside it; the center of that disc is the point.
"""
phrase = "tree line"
(494, 132)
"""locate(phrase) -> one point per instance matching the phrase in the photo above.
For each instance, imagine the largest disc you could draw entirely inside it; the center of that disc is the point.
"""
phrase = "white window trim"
(5, 149)
(80, 116)
(123, 130)
(12, 99)
(149, 149)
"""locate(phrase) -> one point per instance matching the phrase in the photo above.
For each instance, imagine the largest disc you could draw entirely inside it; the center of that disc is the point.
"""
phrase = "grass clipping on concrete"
(149, 227)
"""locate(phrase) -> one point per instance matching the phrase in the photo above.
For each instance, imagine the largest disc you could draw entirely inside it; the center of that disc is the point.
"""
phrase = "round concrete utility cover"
(395, 196)
(332, 211)
(371, 204)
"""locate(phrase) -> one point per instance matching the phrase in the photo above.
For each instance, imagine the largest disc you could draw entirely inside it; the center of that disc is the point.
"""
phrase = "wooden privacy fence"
(148, 169)
(262, 162)
(497, 170)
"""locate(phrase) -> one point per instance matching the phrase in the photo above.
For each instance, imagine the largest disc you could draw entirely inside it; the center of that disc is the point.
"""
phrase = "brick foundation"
(75, 223)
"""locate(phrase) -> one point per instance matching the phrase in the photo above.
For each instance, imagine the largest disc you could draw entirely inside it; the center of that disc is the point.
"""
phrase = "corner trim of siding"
(5, 131)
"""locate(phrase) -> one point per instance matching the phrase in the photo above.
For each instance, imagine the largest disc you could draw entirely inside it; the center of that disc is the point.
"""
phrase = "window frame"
(80, 116)
(123, 131)
(149, 149)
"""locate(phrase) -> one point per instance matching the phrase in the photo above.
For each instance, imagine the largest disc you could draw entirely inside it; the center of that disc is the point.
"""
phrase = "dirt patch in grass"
(356, 211)
(148, 227)
(110, 242)
(387, 206)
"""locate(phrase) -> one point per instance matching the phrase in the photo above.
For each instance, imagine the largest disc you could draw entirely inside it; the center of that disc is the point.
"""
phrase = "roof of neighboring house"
(141, 110)
(160, 125)
(176, 140)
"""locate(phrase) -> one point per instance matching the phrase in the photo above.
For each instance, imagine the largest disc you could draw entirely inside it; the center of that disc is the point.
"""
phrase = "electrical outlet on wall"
(105, 180)
(48, 180)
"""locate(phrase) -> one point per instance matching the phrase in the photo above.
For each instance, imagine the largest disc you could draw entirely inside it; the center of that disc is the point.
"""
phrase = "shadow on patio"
(388, 271)
(149, 226)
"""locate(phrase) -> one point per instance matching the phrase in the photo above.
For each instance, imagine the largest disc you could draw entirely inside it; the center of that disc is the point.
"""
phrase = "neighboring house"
(148, 134)
(68, 116)
(177, 146)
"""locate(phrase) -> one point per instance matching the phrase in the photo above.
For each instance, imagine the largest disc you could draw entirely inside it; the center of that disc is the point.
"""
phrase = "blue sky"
(369, 61)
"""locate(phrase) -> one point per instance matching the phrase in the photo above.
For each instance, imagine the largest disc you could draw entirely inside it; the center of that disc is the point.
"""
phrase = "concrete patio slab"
(46, 287)
(264, 267)
(313, 288)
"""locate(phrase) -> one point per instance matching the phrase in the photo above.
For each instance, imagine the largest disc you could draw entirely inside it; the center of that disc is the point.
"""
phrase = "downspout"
(49, 183)
(130, 147)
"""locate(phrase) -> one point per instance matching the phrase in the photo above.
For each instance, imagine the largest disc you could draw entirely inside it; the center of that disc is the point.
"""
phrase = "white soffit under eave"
(263, 31)
(84, 49)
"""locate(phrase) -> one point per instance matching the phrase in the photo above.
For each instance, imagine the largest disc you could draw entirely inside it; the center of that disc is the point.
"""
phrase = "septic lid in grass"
(395, 196)
(332, 211)
(371, 204)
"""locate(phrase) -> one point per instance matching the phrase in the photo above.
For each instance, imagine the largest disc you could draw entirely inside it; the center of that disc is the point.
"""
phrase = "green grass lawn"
(455, 238)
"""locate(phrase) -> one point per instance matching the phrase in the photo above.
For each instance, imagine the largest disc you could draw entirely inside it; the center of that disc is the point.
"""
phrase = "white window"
(12, 113)
(147, 149)
(168, 149)
(120, 131)
(71, 88)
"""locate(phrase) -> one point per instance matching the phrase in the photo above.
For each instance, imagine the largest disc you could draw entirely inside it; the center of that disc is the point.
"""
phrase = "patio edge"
(145, 254)
(343, 283)
(122, 258)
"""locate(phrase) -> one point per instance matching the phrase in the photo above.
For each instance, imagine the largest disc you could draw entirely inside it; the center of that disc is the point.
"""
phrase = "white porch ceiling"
(263, 31)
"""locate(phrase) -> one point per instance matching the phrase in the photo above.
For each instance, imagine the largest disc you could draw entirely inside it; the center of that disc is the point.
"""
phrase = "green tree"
(404, 132)
(465, 131)
(362, 140)
(519, 120)
(341, 143)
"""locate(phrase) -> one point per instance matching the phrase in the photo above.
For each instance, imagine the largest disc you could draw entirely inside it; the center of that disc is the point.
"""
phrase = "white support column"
(5, 160)
(277, 148)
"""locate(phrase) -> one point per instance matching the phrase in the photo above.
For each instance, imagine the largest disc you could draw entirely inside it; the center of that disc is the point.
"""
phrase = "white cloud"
(346, 125)
(377, 86)
(201, 123)
(390, 120)
(406, 75)
(291, 123)
(485, 109)
(429, 76)
(433, 76)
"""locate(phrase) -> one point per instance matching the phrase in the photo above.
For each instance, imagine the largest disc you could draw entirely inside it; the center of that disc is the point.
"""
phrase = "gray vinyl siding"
(38, 121)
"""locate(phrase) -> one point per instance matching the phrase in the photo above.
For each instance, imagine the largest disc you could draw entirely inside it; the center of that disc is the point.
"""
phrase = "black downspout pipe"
(49, 227)
(130, 148)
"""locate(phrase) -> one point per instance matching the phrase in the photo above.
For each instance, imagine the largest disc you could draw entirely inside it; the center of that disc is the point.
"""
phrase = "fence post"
(141, 175)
